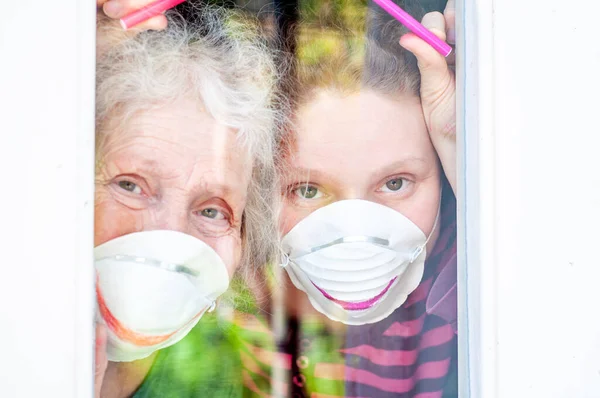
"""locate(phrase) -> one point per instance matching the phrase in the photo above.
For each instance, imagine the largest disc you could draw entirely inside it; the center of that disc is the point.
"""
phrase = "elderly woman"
(185, 131)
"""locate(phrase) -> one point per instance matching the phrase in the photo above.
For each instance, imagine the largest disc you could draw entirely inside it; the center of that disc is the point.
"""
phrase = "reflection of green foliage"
(324, 348)
(323, 45)
(241, 297)
(206, 363)
(330, 59)
(337, 14)
(318, 46)
(330, 44)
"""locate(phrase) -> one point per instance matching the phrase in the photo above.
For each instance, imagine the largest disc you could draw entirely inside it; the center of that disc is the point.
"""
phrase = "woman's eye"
(394, 185)
(308, 192)
(130, 187)
(213, 214)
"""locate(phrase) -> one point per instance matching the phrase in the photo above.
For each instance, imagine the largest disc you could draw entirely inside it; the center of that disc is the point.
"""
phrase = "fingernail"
(112, 8)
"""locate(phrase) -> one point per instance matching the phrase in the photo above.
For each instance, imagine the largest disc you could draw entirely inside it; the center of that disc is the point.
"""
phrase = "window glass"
(275, 200)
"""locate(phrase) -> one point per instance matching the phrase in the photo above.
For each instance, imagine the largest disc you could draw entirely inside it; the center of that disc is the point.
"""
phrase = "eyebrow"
(407, 163)
(153, 167)
(298, 173)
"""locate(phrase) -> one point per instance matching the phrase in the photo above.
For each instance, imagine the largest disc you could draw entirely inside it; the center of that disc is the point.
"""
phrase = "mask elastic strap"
(212, 306)
(286, 259)
(171, 267)
(420, 249)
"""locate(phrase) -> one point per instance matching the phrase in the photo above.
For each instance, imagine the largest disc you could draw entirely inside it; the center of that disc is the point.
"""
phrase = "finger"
(119, 8)
(450, 16)
(113, 9)
(158, 22)
(428, 58)
(435, 22)
(101, 361)
(100, 3)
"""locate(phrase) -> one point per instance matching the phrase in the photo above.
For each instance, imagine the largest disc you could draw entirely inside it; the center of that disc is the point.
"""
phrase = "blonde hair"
(226, 66)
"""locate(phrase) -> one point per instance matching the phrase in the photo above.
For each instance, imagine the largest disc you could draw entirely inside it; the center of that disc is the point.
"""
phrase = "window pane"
(326, 246)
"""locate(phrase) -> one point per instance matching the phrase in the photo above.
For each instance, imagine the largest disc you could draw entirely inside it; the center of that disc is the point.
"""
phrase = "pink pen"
(147, 12)
(414, 26)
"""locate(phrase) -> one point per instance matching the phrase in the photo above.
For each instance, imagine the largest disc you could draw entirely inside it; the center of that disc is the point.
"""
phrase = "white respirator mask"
(356, 260)
(152, 288)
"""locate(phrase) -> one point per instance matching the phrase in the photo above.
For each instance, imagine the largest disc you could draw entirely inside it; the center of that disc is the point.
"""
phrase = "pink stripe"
(317, 395)
(341, 372)
(270, 358)
(430, 370)
(435, 394)
(406, 329)
(437, 336)
(382, 383)
(251, 323)
(249, 382)
(419, 294)
(251, 365)
(433, 370)
(329, 371)
(384, 357)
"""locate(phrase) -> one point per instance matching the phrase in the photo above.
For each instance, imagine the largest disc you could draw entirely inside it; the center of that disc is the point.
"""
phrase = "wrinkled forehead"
(171, 121)
(178, 139)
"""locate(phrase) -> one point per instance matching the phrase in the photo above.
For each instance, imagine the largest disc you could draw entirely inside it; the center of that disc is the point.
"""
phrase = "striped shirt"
(409, 353)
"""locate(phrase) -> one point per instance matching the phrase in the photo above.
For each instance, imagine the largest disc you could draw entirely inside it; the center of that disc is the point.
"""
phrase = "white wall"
(46, 202)
(531, 163)
(530, 78)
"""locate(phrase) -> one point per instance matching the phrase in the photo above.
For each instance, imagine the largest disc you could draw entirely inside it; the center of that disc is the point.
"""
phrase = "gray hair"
(220, 62)
(389, 68)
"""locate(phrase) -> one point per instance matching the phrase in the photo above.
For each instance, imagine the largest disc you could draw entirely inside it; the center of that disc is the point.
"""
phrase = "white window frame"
(528, 262)
(47, 76)
(476, 296)
(474, 77)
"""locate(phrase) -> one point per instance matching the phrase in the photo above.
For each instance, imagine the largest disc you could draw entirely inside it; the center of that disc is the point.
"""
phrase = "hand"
(117, 9)
(101, 360)
(438, 86)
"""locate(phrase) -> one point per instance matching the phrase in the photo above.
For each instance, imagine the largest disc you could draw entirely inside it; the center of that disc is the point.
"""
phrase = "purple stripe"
(428, 355)
(422, 386)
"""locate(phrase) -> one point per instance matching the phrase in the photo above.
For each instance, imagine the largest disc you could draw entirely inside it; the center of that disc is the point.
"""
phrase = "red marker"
(147, 12)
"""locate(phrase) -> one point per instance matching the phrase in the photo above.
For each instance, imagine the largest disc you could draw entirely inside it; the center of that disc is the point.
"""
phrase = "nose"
(354, 193)
(172, 216)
